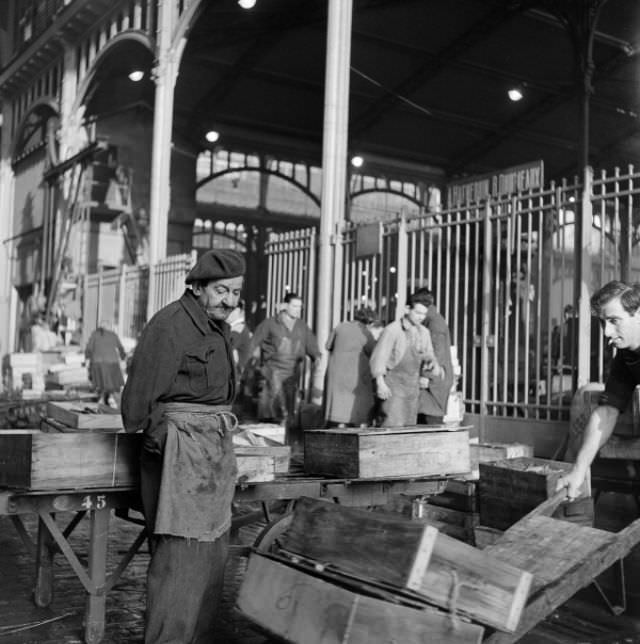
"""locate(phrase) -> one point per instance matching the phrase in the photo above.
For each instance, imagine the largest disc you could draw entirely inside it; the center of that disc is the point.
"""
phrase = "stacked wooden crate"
(511, 488)
(345, 575)
(454, 512)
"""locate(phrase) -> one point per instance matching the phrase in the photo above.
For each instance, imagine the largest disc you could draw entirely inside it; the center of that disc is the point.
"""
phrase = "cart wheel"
(266, 539)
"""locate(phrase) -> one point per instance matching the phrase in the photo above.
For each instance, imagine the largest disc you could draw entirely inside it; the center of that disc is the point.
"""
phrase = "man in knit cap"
(179, 392)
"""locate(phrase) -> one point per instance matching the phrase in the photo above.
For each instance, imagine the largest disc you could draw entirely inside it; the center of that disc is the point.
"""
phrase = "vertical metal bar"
(402, 266)
(584, 276)
(485, 324)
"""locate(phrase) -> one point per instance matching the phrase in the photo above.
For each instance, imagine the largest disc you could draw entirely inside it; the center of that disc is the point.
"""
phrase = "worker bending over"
(617, 304)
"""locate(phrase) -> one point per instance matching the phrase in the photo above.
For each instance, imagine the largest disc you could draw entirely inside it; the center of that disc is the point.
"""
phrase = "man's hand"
(424, 382)
(383, 390)
(433, 369)
(572, 483)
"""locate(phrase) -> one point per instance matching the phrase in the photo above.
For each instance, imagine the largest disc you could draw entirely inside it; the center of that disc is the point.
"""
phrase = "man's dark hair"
(420, 297)
(629, 295)
(291, 296)
(426, 293)
(364, 314)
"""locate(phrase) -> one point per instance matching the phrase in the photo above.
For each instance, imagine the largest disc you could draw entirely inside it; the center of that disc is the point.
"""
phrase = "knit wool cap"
(216, 265)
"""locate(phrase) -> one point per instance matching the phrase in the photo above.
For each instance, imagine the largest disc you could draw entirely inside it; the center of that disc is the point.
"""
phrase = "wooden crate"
(35, 460)
(48, 460)
(378, 453)
(385, 547)
(255, 468)
(487, 452)
(511, 488)
(280, 454)
(304, 609)
(84, 415)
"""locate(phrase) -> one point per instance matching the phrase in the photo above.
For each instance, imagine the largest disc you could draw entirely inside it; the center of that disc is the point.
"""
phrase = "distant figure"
(282, 342)
(403, 355)
(349, 395)
(103, 353)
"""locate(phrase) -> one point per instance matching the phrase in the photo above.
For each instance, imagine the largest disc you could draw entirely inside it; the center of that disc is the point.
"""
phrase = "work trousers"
(184, 588)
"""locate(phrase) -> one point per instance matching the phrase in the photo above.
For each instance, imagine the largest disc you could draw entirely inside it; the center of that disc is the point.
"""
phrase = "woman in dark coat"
(349, 396)
(104, 352)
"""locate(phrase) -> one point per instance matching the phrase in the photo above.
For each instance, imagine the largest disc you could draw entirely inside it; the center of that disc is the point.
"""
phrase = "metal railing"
(503, 274)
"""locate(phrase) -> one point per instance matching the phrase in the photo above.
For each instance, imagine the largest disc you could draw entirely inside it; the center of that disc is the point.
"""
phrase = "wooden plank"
(307, 610)
(86, 415)
(563, 559)
(384, 546)
(330, 532)
(377, 453)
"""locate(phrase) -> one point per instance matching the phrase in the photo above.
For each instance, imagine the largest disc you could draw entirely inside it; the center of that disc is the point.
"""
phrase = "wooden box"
(304, 609)
(83, 415)
(34, 460)
(280, 455)
(48, 460)
(511, 488)
(487, 452)
(378, 453)
(383, 547)
(255, 468)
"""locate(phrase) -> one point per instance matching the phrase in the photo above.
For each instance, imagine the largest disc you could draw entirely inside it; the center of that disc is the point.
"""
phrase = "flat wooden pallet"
(563, 558)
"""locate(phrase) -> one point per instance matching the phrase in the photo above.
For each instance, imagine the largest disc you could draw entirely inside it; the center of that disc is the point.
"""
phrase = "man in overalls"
(179, 392)
(403, 355)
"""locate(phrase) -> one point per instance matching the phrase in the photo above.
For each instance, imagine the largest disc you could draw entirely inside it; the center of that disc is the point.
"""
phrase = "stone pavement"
(21, 622)
(582, 620)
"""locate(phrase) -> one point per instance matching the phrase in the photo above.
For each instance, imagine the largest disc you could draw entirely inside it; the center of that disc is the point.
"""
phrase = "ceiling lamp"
(136, 75)
(212, 136)
(516, 93)
(247, 4)
(357, 161)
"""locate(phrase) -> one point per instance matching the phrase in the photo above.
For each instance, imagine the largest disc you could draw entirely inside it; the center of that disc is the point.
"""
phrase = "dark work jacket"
(433, 401)
(622, 380)
(182, 356)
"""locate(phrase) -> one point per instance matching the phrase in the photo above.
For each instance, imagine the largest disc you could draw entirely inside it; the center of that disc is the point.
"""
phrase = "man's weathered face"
(621, 327)
(294, 308)
(219, 297)
(417, 314)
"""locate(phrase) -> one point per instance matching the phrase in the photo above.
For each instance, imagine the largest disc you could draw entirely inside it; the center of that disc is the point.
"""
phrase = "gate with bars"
(125, 295)
(502, 273)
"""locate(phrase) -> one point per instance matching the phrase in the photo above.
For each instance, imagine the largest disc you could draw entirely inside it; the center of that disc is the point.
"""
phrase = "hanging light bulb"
(357, 161)
(212, 136)
(136, 75)
(247, 4)
(516, 93)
